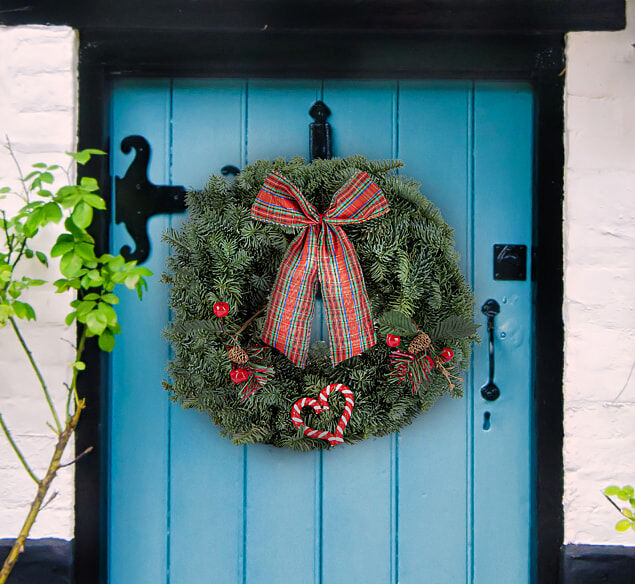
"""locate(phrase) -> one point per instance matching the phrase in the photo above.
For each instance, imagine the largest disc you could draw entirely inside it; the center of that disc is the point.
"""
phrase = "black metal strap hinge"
(137, 199)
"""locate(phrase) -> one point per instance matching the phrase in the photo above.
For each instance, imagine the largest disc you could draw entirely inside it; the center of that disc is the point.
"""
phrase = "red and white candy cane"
(319, 406)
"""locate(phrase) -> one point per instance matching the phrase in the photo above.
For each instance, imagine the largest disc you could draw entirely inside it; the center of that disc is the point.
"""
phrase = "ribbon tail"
(346, 304)
(290, 313)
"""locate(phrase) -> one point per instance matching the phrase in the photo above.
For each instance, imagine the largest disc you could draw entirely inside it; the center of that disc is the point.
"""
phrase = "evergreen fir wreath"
(397, 282)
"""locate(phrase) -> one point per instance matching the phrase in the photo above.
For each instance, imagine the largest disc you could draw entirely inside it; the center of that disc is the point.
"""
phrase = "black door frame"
(539, 59)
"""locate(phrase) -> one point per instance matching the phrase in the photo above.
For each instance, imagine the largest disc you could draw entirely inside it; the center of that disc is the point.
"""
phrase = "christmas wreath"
(244, 271)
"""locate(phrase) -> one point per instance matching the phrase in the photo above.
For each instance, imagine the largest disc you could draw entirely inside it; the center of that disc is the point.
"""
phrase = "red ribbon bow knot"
(323, 252)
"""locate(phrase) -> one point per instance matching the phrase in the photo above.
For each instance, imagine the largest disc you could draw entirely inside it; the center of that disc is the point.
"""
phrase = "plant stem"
(43, 488)
(17, 451)
(47, 395)
(613, 503)
(78, 355)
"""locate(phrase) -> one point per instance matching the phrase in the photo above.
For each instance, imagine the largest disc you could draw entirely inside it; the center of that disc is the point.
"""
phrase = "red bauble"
(221, 309)
(239, 375)
(393, 340)
(446, 354)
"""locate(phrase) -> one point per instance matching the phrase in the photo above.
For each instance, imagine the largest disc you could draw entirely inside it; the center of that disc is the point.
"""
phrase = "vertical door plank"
(358, 483)
(206, 473)
(503, 214)
(139, 424)
(433, 477)
(281, 492)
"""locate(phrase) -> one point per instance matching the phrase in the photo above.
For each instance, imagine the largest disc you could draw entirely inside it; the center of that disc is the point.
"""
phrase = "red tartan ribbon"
(323, 252)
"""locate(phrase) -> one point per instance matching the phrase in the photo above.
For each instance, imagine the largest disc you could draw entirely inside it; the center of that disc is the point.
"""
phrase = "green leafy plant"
(92, 277)
(626, 494)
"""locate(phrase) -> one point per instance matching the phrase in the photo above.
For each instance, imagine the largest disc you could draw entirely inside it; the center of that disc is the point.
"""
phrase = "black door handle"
(490, 390)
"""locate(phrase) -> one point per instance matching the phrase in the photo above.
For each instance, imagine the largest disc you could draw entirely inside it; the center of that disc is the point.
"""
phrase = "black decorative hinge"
(320, 144)
(137, 199)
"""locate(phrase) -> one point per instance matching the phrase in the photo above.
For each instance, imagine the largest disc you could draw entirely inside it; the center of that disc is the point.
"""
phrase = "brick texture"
(38, 103)
(599, 302)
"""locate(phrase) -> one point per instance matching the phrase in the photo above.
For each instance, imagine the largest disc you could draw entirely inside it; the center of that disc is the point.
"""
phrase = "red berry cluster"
(446, 354)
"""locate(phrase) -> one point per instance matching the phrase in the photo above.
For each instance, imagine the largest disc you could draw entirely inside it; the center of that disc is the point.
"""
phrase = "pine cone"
(420, 343)
(237, 355)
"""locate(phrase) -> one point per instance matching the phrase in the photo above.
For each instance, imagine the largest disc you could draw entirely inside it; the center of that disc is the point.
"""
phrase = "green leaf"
(15, 289)
(84, 307)
(82, 215)
(394, 322)
(32, 223)
(131, 281)
(116, 263)
(96, 322)
(28, 253)
(63, 245)
(89, 184)
(47, 177)
(79, 365)
(83, 156)
(623, 496)
(4, 190)
(628, 490)
(454, 327)
(94, 201)
(70, 264)
(110, 298)
(42, 257)
(33, 282)
(92, 279)
(86, 251)
(627, 513)
(39, 165)
(108, 312)
(62, 285)
(23, 310)
(70, 317)
(623, 525)
(52, 212)
(68, 196)
(106, 341)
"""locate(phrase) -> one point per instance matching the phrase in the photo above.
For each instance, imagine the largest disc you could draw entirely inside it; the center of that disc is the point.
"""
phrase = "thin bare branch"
(42, 490)
(55, 494)
(248, 321)
(79, 457)
(9, 147)
(613, 503)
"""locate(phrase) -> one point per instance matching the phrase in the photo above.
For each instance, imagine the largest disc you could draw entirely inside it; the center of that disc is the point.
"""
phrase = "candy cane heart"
(321, 404)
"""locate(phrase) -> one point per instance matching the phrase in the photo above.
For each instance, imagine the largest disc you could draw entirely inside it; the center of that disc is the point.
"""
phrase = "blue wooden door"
(446, 501)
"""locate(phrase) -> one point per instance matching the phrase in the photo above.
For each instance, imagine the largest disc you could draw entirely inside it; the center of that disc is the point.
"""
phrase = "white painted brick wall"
(38, 102)
(599, 304)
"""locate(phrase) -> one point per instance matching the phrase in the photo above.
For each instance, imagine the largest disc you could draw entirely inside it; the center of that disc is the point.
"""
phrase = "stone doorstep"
(44, 561)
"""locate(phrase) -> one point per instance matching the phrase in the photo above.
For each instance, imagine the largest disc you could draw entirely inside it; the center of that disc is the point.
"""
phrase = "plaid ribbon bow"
(323, 252)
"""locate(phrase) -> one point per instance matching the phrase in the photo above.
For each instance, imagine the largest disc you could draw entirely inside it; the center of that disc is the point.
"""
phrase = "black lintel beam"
(471, 16)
